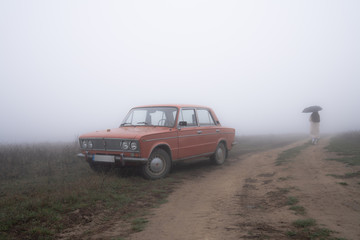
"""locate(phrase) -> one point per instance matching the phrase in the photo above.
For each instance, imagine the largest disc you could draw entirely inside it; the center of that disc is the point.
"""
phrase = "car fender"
(224, 141)
(162, 145)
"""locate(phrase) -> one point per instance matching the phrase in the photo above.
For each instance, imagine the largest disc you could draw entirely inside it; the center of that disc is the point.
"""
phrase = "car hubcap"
(156, 165)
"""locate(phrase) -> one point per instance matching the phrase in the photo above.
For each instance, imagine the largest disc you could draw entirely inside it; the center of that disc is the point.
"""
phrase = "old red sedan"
(156, 136)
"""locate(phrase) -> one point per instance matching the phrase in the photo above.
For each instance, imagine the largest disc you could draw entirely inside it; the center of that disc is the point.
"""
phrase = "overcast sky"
(70, 67)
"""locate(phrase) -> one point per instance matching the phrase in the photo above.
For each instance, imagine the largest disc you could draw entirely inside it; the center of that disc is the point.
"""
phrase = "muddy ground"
(248, 198)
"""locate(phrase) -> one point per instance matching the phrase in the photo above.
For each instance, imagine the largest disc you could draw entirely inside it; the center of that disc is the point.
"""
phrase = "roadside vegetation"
(347, 147)
(45, 189)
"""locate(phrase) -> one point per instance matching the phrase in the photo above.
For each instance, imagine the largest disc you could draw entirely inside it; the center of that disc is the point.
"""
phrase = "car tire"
(220, 154)
(158, 165)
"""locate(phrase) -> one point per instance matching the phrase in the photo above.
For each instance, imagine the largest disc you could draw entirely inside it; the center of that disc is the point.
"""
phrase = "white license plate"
(103, 158)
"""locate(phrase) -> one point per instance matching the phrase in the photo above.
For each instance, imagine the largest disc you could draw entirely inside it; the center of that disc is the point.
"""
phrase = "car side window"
(189, 116)
(205, 118)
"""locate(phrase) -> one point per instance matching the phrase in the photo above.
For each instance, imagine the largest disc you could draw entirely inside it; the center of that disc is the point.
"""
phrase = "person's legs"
(314, 132)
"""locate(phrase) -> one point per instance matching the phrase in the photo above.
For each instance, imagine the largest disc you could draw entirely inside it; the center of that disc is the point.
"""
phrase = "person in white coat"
(314, 127)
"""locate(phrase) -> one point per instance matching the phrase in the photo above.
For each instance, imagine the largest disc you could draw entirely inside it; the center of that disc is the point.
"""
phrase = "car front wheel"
(219, 156)
(158, 165)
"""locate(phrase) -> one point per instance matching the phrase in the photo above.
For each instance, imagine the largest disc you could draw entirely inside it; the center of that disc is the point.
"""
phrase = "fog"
(70, 67)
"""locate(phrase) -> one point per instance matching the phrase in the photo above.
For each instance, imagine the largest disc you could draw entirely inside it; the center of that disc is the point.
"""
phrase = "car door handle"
(199, 132)
(217, 130)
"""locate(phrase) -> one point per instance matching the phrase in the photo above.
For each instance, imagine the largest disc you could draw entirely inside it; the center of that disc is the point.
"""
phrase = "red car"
(156, 136)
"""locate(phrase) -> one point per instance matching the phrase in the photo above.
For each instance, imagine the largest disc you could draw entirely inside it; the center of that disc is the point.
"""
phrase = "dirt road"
(247, 198)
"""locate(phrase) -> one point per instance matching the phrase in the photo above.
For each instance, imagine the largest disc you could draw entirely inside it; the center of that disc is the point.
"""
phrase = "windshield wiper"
(145, 123)
(137, 124)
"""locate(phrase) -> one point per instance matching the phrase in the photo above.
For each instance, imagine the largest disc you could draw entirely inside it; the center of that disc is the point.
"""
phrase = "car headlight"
(133, 146)
(84, 144)
(90, 144)
(125, 145)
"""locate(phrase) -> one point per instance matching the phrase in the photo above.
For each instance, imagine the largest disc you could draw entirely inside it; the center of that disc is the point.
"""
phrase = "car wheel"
(158, 165)
(220, 154)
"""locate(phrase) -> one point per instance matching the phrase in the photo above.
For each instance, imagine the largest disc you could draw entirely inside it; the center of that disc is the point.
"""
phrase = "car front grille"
(106, 144)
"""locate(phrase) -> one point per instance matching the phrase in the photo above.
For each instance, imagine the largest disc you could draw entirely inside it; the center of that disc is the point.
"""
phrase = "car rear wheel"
(158, 165)
(220, 154)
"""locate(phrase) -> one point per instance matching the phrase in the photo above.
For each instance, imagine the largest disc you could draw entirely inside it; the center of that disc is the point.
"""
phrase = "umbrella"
(312, 109)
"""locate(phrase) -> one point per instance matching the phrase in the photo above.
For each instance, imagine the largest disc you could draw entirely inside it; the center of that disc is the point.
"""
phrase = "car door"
(209, 132)
(188, 134)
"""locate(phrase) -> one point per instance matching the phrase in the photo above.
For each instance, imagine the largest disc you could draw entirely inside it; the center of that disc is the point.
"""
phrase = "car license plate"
(103, 158)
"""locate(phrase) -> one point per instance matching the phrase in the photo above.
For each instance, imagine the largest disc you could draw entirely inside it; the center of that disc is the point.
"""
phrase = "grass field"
(43, 184)
(45, 188)
(347, 147)
(248, 144)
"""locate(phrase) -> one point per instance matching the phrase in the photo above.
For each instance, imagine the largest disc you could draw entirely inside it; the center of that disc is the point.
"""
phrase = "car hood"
(126, 132)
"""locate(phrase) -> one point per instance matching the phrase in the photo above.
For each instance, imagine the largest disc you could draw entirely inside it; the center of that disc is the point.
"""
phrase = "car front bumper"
(108, 158)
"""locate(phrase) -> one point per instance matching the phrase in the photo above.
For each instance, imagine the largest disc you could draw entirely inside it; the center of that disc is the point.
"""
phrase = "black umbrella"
(312, 109)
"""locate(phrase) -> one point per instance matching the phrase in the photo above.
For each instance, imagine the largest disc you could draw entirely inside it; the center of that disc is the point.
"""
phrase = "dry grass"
(45, 188)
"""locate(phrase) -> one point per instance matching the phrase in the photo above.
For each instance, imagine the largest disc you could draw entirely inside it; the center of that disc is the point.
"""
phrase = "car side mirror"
(183, 123)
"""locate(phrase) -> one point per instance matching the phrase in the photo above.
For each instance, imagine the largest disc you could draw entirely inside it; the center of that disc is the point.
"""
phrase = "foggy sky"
(70, 67)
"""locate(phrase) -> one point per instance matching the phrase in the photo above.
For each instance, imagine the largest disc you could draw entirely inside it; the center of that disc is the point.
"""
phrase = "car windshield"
(151, 116)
